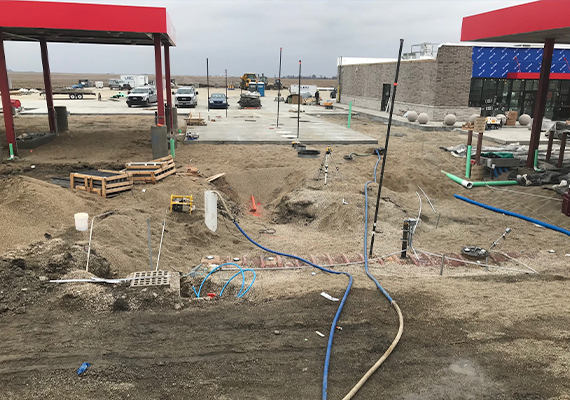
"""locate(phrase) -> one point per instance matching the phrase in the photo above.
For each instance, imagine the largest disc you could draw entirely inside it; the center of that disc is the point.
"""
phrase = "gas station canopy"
(526, 23)
(84, 23)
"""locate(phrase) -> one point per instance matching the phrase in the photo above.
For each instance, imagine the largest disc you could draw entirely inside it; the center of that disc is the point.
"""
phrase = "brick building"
(459, 79)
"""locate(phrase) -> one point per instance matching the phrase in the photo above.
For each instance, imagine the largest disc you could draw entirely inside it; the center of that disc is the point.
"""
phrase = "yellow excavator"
(246, 79)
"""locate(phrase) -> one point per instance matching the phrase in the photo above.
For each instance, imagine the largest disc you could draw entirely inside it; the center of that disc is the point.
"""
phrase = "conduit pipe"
(468, 163)
(468, 184)
(512, 214)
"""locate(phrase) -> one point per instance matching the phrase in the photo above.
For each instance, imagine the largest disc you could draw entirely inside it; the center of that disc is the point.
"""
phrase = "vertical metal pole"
(48, 87)
(406, 231)
(299, 102)
(386, 146)
(159, 88)
(149, 243)
(6, 103)
(208, 85)
(279, 88)
(442, 264)
(540, 101)
(168, 84)
(227, 93)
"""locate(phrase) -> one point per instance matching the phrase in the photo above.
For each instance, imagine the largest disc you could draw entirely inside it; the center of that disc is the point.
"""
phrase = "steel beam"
(168, 84)
(158, 79)
(47, 83)
(6, 103)
(540, 102)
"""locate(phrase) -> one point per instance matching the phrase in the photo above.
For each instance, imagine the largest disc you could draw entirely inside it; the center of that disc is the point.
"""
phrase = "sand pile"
(30, 208)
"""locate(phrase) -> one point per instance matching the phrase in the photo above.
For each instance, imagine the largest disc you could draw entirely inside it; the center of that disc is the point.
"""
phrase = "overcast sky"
(245, 36)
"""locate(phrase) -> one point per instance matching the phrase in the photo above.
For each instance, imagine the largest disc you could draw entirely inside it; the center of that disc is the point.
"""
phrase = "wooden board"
(512, 118)
(214, 177)
(152, 171)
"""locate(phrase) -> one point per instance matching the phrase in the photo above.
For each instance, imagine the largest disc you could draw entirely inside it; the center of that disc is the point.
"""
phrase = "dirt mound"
(29, 208)
(24, 273)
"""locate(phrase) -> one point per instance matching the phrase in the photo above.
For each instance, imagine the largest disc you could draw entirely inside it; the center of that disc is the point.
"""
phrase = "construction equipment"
(246, 79)
(277, 85)
(181, 204)
(325, 165)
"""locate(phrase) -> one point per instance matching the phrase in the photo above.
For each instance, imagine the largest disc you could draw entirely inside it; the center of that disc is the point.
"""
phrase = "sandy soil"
(471, 334)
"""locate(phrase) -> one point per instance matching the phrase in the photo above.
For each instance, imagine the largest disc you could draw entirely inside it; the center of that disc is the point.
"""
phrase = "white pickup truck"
(142, 96)
(186, 96)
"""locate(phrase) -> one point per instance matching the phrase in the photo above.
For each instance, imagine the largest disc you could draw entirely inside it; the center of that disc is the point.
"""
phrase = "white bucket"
(81, 221)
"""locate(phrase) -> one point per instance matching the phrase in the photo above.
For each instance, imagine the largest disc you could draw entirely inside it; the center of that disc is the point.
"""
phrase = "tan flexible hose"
(373, 369)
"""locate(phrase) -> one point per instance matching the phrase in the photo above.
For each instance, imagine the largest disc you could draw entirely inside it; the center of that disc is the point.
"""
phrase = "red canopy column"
(6, 103)
(47, 84)
(540, 103)
(159, 88)
(168, 84)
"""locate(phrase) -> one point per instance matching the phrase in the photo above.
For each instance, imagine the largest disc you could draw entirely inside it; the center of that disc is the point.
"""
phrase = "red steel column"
(167, 78)
(6, 103)
(47, 84)
(540, 102)
(159, 88)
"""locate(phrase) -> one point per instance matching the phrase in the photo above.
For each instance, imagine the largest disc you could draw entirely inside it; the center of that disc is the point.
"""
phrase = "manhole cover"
(150, 278)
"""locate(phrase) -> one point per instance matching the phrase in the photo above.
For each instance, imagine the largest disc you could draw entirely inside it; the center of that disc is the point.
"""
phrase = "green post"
(349, 113)
(468, 164)
(11, 151)
(172, 147)
(536, 158)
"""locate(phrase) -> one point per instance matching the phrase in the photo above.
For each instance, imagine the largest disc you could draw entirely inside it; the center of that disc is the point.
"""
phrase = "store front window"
(498, 96)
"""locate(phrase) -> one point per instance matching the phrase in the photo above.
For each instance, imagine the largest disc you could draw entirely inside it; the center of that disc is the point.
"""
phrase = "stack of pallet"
(103, 183)
(193, 121)
(151, 171)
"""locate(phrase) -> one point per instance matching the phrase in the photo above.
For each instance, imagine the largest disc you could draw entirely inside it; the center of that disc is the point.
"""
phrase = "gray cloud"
(245, 36)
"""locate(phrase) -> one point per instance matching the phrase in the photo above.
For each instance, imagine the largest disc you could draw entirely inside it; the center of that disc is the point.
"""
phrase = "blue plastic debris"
(83, 368)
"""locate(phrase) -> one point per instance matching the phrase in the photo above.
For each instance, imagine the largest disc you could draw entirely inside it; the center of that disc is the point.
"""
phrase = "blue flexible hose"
(240, 294)
(339, 310)
(512, 214)
(214, 270)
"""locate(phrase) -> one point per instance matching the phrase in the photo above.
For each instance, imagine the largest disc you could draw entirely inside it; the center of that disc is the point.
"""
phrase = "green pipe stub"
(468, 184)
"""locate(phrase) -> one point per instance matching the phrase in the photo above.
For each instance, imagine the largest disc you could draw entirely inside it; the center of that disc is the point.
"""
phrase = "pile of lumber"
(150, 171)
(193, 121)
(103, 183)
(250, 100)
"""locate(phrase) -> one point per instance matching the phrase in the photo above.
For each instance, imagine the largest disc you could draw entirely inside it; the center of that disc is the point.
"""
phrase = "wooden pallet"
(193, 121)
(151, 171)
(103, 183)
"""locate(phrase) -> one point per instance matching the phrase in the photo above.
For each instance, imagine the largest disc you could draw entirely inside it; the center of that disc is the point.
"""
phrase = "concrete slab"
(506, 135)
(241, 126)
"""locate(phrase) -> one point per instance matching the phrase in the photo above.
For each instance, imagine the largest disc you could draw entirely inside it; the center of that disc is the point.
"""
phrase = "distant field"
(35, 80)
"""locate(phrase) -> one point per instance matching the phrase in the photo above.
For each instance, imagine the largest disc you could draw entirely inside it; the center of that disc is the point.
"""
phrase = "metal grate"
(150, 278)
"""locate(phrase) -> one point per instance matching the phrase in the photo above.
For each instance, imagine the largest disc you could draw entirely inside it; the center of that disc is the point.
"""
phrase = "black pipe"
(279, 88)
(299, 102)
(386, 146)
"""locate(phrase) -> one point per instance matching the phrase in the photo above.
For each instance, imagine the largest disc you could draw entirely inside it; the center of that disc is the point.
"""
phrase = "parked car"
(186, 96)
(119, 84)
(142, 96)
(218, 100)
